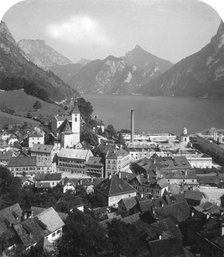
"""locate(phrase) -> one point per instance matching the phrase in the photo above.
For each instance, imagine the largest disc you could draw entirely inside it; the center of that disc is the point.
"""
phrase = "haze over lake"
(159, 114)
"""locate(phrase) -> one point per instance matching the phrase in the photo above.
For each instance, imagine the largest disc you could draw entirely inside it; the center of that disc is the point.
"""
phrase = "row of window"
(70, 160)
(30, 168)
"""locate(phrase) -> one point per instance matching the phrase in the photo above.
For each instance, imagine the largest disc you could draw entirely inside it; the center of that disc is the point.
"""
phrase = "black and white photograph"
(111, 128)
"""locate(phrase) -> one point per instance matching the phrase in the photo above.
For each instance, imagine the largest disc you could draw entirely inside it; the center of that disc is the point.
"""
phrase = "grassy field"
(6, 119)
(23, 103)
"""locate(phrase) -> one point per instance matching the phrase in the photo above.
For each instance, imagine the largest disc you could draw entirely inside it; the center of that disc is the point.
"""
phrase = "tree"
(37, 105)
(120, 139)
(89, 137)
(110, 131)
(83, 236)
(126, 239)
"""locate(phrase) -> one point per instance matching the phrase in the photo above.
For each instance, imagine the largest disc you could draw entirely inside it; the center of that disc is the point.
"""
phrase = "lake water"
(159, 114)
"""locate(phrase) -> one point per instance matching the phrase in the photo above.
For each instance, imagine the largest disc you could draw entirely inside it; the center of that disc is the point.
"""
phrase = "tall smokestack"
(132, 126)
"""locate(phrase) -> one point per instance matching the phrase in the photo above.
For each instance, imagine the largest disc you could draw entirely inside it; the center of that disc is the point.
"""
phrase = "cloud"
(80, 30)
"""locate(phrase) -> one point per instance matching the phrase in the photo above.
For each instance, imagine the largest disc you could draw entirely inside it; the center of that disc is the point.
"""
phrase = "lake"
(159, 114)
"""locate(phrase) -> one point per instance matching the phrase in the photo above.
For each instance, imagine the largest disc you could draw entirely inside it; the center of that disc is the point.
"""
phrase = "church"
(66, 127)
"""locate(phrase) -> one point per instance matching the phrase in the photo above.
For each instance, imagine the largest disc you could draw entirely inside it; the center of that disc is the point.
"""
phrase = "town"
(74, 185)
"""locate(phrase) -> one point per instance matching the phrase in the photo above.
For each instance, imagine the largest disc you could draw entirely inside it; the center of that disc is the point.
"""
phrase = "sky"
(94, 29)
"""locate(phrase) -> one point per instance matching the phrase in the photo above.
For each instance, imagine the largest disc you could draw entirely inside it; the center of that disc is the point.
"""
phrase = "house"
(209, 209)
(47, 181)
(26, 181)
(71, 203)
(11, 140)
(173, 163)
(178, 212)
(44, 153)
(34, 211)
(94, 167)
(166, 246)
(180, 177)
(145, 205)
(46, 227)
(139, 151)
(98, 125)
(113, 189)
(208, 179)
(127, 206)
(144, 167)
(10, 216)
(149, 186)
(35, 138)
(116, 161)
(73, 161)
(69, 184)
(20, 165)
(142, 184)
(193, 197)
(27, 165)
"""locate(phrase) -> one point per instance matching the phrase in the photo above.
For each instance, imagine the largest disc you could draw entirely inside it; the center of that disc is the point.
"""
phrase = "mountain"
(38, 52)
(199, 75)
(123, 75)
(143, 60)
(17, 72)
(84, 61)
(66, 72)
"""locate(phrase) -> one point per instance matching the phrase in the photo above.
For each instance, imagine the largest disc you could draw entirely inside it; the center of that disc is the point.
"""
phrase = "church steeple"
(74, 107)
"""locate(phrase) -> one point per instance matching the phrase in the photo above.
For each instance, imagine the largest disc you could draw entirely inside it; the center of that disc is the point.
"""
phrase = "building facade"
(116, 161)
(73, 161)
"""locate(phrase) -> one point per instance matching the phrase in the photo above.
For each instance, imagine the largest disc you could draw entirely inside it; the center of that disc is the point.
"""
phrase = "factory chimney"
(132, 126)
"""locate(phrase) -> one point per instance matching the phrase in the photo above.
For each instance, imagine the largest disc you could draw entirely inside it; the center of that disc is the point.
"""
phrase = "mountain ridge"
(119, 75)
(198, 75)
(17, 72)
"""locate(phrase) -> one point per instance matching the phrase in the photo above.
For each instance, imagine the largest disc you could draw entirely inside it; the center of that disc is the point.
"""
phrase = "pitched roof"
(37, 210)
(35, 134)
(75, 108)
(48, 177)
(169, 226)
(114, 186)
(193, 195)
(10, 215)
(6, 156)
(51, 219)
(178, 212)
(166, 247)
(176, 162)
(41, 148)
(65, 127)
(73, 181)
(95, 161)
(145, 205)
(22, 161)
(179, 174)
(30, 231)
(206, 179)
(73, 153)
(162, 183)
(128, 202)
(114, 154)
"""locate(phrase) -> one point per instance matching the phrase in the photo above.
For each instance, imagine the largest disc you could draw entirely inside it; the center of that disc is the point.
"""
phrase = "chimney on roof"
(132, 126)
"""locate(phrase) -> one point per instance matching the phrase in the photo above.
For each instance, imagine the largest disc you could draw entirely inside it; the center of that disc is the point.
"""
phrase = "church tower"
(76, 123)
